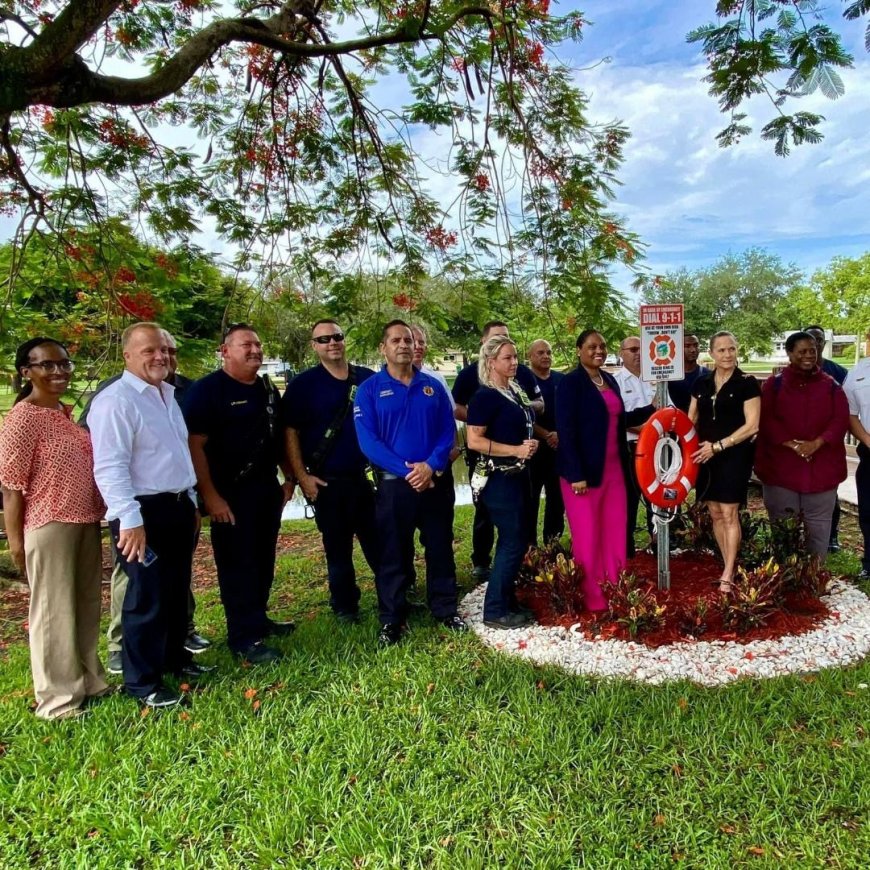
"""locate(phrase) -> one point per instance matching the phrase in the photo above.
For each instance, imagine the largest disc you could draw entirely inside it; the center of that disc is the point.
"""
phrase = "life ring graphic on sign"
(663, 460)
(662, 350)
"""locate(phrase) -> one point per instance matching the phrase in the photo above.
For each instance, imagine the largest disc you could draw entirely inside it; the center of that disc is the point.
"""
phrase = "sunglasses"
(51, 366)
(325, 339)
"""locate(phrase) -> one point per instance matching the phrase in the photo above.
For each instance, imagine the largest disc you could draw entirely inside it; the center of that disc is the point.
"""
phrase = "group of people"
(372, 454)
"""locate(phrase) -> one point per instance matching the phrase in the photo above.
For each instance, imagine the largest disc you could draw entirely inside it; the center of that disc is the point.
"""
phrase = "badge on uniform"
(428, 391)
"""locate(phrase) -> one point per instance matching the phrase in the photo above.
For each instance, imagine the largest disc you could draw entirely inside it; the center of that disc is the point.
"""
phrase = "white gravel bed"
(843, 638)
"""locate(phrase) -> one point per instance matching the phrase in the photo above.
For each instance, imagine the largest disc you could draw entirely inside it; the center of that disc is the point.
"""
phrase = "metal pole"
(663, 529)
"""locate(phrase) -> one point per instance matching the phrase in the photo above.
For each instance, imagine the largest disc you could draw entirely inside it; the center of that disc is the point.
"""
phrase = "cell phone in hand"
(150, 557)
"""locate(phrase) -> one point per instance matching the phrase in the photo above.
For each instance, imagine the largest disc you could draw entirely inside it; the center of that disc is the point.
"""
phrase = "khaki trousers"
(64, 569)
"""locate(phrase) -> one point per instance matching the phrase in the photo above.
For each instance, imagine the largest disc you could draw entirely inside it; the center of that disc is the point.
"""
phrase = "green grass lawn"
(436, 753)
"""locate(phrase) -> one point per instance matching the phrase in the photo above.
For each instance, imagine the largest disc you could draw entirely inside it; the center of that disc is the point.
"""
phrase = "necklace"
(599, 382)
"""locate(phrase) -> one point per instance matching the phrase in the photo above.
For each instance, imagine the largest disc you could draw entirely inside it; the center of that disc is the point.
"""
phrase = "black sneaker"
(390, 634)
(480, 573)
(195, 643)
(279, 629)
(114, 663)
(259, 654)
(348, 617)
(834, 546)
(195, 671)
(162, 697)
(510, 620)
(455, 623)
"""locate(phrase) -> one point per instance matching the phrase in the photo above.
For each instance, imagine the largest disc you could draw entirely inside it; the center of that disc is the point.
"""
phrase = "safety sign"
(661, 342)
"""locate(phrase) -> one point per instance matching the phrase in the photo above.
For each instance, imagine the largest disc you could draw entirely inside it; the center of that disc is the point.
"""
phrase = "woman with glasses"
(725, 408)
(593, 464)
(500, 426)
(53, 512)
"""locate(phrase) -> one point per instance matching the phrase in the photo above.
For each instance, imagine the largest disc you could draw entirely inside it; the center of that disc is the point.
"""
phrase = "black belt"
(166, 497)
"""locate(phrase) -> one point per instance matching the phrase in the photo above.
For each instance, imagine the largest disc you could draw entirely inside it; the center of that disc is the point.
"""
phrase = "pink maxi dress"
(597, 518)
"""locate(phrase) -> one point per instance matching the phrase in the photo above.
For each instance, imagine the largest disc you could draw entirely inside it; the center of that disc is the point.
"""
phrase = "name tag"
(385, 393)
(240, 402)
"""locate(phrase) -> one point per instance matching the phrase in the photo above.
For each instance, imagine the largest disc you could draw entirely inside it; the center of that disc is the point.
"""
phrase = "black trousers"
(346, 507)
(244, 554)
(483, 530)
(634, 500)
(543, 474)
(862, 484)
(154, 614)
(400, 511)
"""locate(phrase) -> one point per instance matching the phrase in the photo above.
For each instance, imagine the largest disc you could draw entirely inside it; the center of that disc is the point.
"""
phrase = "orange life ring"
(666, 487)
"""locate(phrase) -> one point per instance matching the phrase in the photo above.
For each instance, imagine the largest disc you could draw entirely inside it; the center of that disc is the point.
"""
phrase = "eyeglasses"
(325, 339)
(51, 366)
(631, 349)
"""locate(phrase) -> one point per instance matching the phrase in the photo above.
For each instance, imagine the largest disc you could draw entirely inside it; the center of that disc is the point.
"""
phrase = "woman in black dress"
(725, 408)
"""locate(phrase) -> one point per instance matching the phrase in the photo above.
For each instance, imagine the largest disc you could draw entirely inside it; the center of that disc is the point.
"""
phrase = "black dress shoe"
(455, 623)
(480, 573)
(195, 643)
(162, 697)
(510, 620)
(279, 629)
(259, 654)
(348, 617)
(834, 546)
(390, 634)
(195, 671)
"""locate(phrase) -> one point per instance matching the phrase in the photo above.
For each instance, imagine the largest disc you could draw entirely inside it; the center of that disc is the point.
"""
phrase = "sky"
(692, 201)
(689, 200)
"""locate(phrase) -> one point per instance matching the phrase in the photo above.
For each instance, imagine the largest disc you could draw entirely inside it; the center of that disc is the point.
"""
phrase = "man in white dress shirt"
(635, 394)
(143, 469)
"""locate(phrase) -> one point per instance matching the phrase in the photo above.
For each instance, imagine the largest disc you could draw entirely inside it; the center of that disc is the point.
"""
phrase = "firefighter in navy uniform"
(237, 444)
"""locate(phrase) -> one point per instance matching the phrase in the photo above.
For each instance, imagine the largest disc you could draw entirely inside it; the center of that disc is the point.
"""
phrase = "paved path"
(847, 490)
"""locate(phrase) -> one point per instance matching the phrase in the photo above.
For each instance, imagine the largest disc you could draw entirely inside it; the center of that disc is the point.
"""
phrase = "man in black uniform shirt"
(237, 443)
(464, 387)
(328, 464)
(680, 392)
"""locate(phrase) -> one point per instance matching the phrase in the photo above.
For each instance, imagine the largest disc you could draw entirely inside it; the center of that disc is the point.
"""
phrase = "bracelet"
(716, 447)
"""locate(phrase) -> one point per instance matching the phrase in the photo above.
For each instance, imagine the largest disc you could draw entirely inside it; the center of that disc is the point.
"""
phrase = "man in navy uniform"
(542, 466)
(680, 392)
(236, 443)
(464, 387)
(328, 464)
(405, 427)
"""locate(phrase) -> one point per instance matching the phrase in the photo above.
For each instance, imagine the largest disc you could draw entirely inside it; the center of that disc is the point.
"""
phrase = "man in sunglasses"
(237, 444)
(328, 464)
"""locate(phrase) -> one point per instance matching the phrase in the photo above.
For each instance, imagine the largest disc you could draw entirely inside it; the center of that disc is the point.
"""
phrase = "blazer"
(582, 422)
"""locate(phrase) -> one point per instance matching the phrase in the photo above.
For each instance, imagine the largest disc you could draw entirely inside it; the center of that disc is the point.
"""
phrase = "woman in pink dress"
(53, 512)
(593, 464)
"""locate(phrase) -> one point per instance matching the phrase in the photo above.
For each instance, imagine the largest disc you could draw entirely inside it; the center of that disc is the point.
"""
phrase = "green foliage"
(553, 578)
(289, 153)
(755, 595)
(632, 603)
(693, 618)
(746, 294)
(779, 49)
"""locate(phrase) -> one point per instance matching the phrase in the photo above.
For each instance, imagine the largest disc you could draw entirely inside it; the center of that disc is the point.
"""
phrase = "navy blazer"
(582, 422)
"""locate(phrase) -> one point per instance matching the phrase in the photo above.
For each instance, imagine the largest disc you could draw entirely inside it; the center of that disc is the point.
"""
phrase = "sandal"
(725, 587)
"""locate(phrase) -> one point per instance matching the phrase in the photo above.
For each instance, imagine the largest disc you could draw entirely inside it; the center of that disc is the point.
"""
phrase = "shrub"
(555, 578)
(806, 575)
(633, 603)
(693, 618)
(754, 596)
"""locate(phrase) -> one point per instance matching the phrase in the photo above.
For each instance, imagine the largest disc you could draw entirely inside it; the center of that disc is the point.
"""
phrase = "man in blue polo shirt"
(464, 387)
(405, 427)
(328, 464)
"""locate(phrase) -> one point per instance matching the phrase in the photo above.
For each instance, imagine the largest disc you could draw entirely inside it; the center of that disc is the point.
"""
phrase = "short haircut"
(489, 350)
(236, 327)
(808, 328)
(628, 338)
(127, 334)
(490, 324)
(723, 333)
(418, 327)
(795, 337)
(322, 321)
(390, 325)
(581, 339)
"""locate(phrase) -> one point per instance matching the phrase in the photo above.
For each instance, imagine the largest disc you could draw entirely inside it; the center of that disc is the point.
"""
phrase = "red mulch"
(693, 576)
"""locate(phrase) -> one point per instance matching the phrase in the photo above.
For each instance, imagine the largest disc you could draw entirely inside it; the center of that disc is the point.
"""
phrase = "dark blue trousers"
(544, 476)
(154, 614)
(344, 508)
(506, 497)
(862, 484)
(244, 555)
(400, 511)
